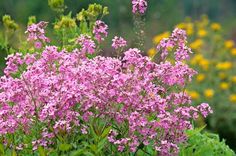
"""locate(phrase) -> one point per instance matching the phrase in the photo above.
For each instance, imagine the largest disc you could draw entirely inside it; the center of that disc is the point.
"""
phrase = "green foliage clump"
(204, 144)
(9, 23)
(57, 5)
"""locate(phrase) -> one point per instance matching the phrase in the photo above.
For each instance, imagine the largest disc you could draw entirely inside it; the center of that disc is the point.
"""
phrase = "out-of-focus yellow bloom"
(202, 33)
(233, 52)
(229, 44)
(203, 22)
(224, 85)
(196, 59)
(196, 44)
(181, 25)
(232, 98)
(215, 26)
(222, 75)
(224, 65)
(200, 77)
(209, 93)
(151, 52)
(194, 95)
(159, 37)
(204, 64)
(187, 26)
(233, 79)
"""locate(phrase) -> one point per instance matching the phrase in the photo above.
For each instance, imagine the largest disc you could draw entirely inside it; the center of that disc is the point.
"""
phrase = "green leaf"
(101, 144)
(1, 149)
(13, 153)
(89, 154)
(41, 151)
(106, 132)
(65, 147)
(77, 153)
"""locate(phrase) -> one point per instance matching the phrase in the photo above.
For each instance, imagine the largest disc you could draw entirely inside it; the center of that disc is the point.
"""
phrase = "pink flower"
(100, 30)
(38, 45)
(118, 42)
(87, 44)
(204, 109)
(177, 40)
(139, 6)
(36, 32)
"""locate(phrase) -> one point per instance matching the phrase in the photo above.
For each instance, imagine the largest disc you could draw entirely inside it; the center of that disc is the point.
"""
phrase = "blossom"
(196, 44)
(37, 45)
(205, 109)
(202, 33)
(224, 85)
(100, 30)
(151, 52)
(224, 65)
(37, 32)
(87, 44)
(200, 77)
(139, 6)
(229, 44)
(233, 52)
(215, 26)
(118, 42)
(159, 37)
(232, 98)
(177, 40)
(194, 95)
(209, 93)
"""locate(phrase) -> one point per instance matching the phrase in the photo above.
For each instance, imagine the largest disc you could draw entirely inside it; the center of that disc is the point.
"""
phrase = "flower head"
(118, 42)
(100, 30)
(36, 32)
(87, 44)
(139, 6)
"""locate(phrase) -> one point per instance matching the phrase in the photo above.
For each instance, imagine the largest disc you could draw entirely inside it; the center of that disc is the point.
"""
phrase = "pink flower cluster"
(36, 33)
(100, 30)
(118, 42)
(177, 41)
(139, 6)
(62, 91)
(87, 44)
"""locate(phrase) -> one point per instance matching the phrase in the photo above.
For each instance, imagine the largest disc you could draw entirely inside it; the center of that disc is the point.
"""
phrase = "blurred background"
(211, 28)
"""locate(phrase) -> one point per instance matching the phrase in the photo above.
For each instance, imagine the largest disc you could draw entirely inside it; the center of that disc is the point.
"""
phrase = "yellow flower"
(229, 44)
(232, 98)
(215, 26)
(224, 65)
(233, 52)
(151, 52)
(224, 85)
(222, 75)
(196, 44)
(181, 25)
(194, 95)
(209, 93)
(204, 63)
(234, 79)
(159, 37)
(196, 59)
(202, 33)
(189, 28)
(200, 77)
(203, 22)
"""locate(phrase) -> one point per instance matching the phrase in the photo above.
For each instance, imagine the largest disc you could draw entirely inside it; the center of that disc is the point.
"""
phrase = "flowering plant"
(66, 99)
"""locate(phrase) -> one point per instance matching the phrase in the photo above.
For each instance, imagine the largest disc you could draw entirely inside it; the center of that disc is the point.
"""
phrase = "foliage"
(199, 144)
